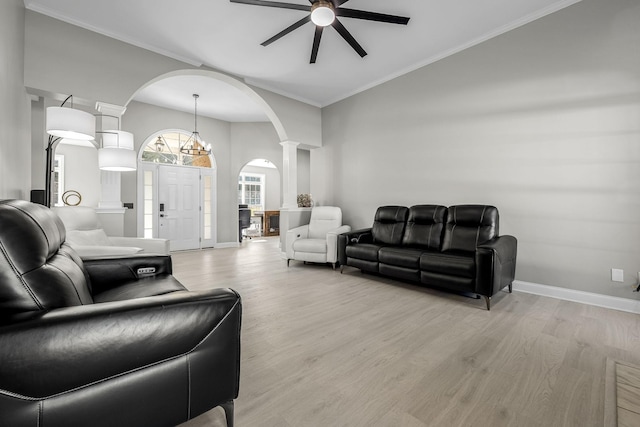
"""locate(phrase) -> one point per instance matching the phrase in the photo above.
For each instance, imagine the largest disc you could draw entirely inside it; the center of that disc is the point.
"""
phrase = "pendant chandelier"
(195, 146)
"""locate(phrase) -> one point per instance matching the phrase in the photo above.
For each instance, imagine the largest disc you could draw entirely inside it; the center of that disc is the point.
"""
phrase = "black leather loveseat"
(456, 248)
(112, 342)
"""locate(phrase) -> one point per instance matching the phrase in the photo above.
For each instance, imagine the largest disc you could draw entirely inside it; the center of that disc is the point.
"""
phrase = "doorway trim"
(208, 179)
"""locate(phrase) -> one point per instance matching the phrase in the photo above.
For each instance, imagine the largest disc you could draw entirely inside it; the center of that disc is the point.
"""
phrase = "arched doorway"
(177, 192)
(225, 143)
(259, 191)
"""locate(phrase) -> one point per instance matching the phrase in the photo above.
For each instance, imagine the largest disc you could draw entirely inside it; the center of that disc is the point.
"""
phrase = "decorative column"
(289, 212)
(110, 209)
(289, 174)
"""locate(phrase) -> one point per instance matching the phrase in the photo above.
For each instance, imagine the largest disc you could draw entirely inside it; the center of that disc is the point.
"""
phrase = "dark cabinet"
(271, 223)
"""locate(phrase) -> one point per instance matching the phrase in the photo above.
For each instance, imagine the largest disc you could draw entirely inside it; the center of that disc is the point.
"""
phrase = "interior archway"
(273, 117)
(227, 214)
(259, 191)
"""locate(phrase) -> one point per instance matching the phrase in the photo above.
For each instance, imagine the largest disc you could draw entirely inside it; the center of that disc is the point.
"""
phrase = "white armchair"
(87, 237)
(318, 240)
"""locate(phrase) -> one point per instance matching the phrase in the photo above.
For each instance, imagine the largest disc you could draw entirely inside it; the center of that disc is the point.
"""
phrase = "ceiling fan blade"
(273, 4)
(287, 30)
(371, 16)
(336, 3)
(316, 44)
(348, 37)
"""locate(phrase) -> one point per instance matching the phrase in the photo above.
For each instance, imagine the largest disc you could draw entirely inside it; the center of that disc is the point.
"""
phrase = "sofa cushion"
(424, 226)
(96, 237)
(318, 246)
(399, 256)
(446, 281)
(451, 263)
(78, 217)
(38, 271)
(469, 226)
(324, 219)
(411, 274)
(364, 265)
(388, 224)
(364, 251)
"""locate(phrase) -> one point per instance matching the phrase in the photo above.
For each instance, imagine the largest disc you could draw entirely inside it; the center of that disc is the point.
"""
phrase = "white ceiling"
(216, 98)
(227, 36)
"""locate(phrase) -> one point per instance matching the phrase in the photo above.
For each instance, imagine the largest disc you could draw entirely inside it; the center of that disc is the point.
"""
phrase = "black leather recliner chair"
(111, 342)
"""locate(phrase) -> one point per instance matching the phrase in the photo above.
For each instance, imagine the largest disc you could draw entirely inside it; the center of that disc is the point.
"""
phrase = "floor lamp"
(117, 151)
(64, 122)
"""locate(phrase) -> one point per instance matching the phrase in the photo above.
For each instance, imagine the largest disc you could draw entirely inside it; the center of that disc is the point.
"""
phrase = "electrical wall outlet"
(617, 275)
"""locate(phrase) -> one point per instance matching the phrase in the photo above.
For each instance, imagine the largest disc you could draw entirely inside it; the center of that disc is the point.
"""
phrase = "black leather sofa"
(456, 248)
(111, 342)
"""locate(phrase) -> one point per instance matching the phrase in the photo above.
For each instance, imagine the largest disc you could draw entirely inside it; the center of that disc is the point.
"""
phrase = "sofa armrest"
(332, 242)
(151, 246)
(72, 347)
(362, 235)
(301, 232)
(495, 265)
(106, 273)
(88, 252)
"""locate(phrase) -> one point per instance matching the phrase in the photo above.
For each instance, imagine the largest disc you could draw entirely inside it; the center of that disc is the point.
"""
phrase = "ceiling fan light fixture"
(322, 13)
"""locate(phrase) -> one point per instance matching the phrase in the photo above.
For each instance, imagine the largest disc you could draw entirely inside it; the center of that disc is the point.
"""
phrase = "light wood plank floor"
(627, 395)
(320, 348)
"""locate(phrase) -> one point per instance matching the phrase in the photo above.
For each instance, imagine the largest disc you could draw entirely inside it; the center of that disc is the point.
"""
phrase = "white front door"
(179, 206)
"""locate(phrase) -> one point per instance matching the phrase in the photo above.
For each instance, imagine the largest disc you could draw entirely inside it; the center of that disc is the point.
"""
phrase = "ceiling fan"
(324, 13)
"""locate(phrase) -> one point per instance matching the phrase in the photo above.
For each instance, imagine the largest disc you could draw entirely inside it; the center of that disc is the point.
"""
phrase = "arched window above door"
(165, 149)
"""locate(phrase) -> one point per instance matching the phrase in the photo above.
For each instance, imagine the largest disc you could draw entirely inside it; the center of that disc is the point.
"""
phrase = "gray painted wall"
(81, 172)
(61, 58)
(542, 122)
(15, 137)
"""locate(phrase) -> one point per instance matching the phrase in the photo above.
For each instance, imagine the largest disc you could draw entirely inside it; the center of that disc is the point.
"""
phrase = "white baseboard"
(226, 245)
(589, 298)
